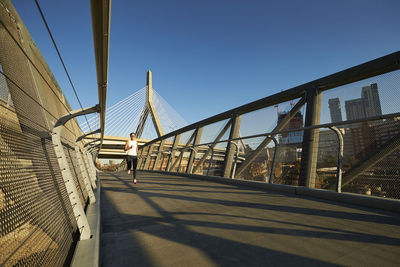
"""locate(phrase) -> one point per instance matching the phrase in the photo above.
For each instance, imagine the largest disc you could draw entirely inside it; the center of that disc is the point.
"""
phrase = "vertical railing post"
(148, 158)
(189, 167)
(309, 154)
(181, 157)
(172, 155)
(140, 157)
(192, 156)
(162, 159)
(234, 133)
(211, 158)
(273, 159)
(160, 148)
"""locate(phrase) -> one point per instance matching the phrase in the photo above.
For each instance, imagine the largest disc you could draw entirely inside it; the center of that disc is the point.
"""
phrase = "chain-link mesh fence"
(37, 223)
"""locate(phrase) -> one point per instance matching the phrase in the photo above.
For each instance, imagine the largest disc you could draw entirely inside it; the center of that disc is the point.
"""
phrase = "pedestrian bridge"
(284, 180)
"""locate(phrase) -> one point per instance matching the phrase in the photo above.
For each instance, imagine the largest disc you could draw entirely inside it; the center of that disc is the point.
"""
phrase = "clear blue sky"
(209, 56)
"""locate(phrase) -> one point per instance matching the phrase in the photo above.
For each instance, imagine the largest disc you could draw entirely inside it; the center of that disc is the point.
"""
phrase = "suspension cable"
(135, 111)
(59, 55)
(113, 121)
(135, 119)
(132, 99)
(113, 111)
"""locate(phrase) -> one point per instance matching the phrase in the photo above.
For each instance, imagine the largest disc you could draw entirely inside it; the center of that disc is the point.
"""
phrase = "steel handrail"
(313, 127)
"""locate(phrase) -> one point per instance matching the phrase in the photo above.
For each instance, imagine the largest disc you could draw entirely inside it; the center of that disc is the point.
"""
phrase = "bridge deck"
(174, 221)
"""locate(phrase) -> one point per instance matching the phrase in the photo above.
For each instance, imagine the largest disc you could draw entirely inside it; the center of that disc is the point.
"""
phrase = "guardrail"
(331, 126)
(359, 154)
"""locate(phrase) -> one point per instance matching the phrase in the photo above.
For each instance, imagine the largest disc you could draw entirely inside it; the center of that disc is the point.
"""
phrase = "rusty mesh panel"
(37, 223)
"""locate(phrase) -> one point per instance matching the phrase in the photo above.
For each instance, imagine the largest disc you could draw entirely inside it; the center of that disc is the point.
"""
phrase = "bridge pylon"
(149, 108)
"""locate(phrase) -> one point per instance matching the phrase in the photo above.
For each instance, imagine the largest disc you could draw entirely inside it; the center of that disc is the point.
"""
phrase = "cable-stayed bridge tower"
(144, 112)
(149, 110)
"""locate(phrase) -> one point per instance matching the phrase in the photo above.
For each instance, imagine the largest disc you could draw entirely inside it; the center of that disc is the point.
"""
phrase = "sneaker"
(129, 171)
(134, 181)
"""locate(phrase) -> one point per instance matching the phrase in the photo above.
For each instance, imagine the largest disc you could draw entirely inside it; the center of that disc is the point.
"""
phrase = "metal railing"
(335, 160)
(270, 135)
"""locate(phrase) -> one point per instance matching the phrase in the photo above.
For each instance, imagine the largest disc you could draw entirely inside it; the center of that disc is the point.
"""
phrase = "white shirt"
(132, 151)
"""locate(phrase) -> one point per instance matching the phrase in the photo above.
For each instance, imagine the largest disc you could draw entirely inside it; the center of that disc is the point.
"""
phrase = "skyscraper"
(334, 107)
(369, 105)
(355, 109)
(372, 103)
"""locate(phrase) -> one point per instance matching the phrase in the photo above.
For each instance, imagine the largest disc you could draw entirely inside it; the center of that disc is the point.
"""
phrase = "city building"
(328, 146)
(372, 103)
(295, 123)
(368, 138)
(355, 109)
(335, 110)
(369, 105)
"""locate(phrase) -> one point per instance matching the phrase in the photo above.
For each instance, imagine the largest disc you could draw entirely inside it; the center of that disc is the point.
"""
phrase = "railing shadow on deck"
(124, 235)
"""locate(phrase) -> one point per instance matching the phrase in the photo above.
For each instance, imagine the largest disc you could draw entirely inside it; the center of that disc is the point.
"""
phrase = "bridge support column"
(66, 173)
(309, 154)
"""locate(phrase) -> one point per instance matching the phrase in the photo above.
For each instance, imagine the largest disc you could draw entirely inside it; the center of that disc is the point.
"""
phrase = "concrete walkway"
(174, 221)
